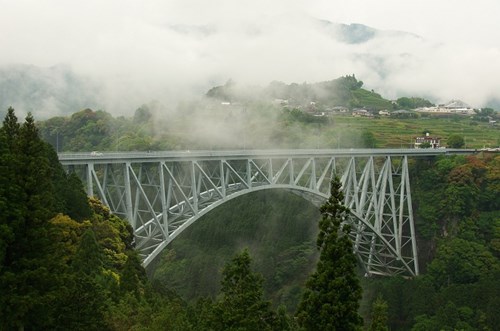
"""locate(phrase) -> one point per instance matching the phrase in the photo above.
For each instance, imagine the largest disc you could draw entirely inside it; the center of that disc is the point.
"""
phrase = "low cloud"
(171, 51)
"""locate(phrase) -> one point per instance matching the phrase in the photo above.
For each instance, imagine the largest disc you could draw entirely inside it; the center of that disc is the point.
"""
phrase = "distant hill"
(345, 91)
(45, 92)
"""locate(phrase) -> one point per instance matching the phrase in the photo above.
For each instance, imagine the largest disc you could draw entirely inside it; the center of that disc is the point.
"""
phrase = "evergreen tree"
(83, 303)
(28, 276)
(31, 272)
(332, 294)
(241, 306)
(379, 315)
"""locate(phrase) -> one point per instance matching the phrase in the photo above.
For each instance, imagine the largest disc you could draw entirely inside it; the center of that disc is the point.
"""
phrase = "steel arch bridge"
(163, 193)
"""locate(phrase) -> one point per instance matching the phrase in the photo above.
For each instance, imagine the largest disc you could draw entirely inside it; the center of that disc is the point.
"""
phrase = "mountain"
(356, 33)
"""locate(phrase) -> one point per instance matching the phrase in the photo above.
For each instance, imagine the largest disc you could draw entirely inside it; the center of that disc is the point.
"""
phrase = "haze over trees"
(307, 115)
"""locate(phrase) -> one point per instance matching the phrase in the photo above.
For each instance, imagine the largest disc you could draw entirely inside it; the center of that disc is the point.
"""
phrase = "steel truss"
(161, 196)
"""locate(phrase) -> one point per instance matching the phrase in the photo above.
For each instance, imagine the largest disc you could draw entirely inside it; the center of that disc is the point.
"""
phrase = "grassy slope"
(396, 133)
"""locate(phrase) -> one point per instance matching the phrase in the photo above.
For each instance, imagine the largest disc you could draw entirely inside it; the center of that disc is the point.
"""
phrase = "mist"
(126, 53)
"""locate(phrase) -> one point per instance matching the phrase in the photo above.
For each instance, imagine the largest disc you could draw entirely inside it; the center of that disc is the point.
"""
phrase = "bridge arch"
(163, 193)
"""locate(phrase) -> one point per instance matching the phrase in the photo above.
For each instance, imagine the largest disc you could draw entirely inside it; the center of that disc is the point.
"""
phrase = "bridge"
(163, 193)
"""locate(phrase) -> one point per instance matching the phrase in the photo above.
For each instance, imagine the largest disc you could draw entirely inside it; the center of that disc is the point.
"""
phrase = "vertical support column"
(163, 196)
(90, 187)
(365, 178)
(392, 195)
(194, 189)
(270, 174)
(128, 195)
(222, 178)
(406, 178)
(137, 191)
(312, 184)
(199, 178)
(249, 173)
(226, 174)
(402, 198)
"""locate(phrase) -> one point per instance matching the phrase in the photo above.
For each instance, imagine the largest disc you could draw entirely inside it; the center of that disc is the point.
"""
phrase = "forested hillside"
(457, 212)
(71, 257)
(279, 116)
(457, 215)
(66, 263)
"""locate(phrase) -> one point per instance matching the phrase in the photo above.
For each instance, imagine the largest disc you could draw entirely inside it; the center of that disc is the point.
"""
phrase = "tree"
(83, 301)
(425, 145)
(456, 141)
(412, 103)
(379, 315)
(460, 261)
(32, 263)
(241, 306)
(29, 277)
(332, 294)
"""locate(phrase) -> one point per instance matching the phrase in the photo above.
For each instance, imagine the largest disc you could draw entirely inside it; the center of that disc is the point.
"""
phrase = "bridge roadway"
(118, 157)
(162, 193)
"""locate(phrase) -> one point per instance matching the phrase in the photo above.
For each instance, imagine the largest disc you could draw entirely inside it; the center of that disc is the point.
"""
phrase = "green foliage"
(296, 115)
(412, 103)
(485, 114)
(275, 226)
(260, 122)
(379, 315)
(425, 145)
(45, 214)
(458, 287)
(370, 100)
(52, 274)
(88, 259)
(456, 141)
(332, 295)
(241, 306)
(461, 262)
(27, 286)
(84, 304)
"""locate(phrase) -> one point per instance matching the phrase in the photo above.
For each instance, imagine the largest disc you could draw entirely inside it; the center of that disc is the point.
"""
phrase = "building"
(361, 113)
(434, 142)
(457, 107)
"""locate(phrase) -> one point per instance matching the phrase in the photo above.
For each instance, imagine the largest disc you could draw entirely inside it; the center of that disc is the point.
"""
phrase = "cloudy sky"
(160, 49)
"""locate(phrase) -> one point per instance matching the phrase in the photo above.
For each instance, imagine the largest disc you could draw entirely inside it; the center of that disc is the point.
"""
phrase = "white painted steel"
(162, 193)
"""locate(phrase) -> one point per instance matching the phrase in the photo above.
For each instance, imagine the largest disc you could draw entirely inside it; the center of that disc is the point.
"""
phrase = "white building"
(434, 142)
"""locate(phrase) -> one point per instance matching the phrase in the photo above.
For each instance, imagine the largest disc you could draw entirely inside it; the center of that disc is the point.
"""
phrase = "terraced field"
(390, 132)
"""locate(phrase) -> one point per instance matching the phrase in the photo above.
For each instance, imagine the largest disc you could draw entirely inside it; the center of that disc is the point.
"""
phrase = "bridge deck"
(153, 156)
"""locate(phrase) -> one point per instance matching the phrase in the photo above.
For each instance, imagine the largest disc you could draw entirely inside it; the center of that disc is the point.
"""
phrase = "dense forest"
(67, 263)
(458, 241)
